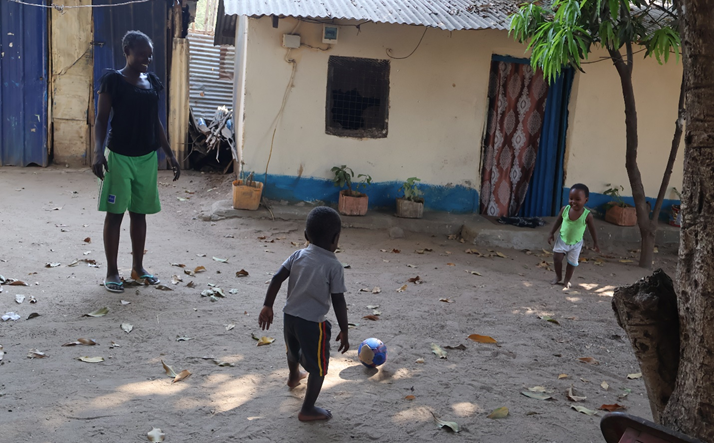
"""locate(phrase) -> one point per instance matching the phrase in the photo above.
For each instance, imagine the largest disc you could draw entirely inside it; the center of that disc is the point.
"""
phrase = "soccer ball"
(372, 352)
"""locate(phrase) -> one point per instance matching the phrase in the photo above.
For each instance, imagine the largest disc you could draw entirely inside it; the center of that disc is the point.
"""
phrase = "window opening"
(357, 97)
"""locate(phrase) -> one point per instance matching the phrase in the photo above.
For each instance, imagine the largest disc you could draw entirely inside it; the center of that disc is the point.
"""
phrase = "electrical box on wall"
(329, 34)
(291, 41)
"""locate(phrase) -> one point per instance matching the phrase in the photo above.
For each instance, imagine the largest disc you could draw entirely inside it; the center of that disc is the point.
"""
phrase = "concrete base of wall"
(473, 228)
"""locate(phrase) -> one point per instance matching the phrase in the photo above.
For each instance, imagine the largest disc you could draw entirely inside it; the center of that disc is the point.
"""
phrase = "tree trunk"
(624, 69)
(647, 311)
(691, 407)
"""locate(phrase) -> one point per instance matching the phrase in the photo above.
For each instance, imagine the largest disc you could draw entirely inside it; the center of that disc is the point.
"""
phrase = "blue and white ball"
(372, 352)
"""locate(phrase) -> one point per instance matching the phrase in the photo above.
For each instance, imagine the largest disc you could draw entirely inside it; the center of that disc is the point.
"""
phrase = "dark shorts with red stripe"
(308, 343)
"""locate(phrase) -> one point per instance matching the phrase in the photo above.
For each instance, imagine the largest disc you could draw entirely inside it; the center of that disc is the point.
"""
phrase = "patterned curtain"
(515, 120)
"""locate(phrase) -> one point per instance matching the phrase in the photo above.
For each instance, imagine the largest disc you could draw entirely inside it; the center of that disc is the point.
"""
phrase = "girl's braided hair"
(133, 38)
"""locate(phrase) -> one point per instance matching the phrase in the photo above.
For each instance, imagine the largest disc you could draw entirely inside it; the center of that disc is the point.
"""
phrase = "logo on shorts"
(112, 199)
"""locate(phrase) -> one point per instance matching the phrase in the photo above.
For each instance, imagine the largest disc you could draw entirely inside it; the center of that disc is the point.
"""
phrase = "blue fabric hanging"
(545, 189)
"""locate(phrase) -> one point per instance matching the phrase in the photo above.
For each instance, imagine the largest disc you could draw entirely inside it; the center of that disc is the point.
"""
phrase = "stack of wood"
(212, 139)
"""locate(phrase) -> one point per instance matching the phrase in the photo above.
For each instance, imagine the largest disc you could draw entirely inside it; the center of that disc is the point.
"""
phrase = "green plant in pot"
(411, 205)
(617, 211)
(351, 200)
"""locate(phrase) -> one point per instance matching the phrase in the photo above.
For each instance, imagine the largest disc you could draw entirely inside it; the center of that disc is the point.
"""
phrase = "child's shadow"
(361, 372)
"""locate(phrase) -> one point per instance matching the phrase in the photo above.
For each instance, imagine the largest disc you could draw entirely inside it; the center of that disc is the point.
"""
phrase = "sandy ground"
(47, 214)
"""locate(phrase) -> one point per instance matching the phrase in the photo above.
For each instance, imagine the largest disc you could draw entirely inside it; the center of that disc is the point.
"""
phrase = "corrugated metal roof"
(207, 91)
(450, 15)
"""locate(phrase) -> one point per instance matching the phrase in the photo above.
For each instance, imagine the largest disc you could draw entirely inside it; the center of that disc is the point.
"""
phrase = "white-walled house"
(404, 92)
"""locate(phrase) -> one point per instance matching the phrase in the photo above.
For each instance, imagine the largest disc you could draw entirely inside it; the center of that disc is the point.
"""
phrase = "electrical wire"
(279, 115)
(61, 8)
(389, 50)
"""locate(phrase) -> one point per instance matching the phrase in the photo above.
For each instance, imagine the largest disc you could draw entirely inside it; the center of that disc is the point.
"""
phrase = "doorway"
(524, 144)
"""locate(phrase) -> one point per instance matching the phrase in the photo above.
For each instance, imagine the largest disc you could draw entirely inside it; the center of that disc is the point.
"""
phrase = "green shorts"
(130, 183)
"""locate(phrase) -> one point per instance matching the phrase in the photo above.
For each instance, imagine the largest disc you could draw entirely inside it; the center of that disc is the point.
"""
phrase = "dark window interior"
(357, 97)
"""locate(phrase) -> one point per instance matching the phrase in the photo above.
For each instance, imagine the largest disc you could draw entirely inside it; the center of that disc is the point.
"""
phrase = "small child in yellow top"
(572, 221)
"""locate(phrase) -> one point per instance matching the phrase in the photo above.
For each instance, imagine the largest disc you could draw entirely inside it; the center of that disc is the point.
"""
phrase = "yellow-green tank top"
(572, 231)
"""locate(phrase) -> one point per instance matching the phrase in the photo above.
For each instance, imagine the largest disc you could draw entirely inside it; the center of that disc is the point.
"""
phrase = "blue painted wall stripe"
(455, 199)
(598, 202)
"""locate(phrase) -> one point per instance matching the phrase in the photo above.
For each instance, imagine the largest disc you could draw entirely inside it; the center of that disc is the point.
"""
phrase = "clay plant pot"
(352, 204)
(621, 216)
(409, 209)
(245, 196)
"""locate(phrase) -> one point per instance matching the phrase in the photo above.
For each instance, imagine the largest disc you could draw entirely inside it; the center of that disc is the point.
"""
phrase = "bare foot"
(293, 382)
(556, 281)
(567, 285)
(315, 414)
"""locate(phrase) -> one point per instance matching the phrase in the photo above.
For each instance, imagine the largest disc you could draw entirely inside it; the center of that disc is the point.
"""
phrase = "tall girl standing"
(127, 169)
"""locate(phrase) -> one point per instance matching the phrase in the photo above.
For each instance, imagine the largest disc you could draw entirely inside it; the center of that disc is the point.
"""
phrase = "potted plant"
(617, 211)
(412, 204)
(351, 201)
(247, 193)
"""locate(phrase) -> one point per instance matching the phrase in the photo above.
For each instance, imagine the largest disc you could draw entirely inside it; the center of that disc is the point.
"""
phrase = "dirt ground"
(47, 213)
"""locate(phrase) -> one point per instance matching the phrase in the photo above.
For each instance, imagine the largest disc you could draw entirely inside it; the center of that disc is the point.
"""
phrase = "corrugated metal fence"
(23, 85)
(210, 75)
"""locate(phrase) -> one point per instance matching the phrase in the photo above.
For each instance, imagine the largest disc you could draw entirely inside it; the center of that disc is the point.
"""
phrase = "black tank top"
(134, 114)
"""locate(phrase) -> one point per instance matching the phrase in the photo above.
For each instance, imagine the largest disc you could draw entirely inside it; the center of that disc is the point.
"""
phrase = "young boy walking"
(316, 279)
(572, 221)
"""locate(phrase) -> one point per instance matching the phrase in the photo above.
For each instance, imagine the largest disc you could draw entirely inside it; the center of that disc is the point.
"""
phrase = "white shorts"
(572, 252)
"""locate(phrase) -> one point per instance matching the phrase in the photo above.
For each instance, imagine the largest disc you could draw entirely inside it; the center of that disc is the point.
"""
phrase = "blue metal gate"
(110, 25)
(23, 84)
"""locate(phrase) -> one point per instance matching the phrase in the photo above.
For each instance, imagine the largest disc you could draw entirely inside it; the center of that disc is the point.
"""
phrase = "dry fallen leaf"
(88, 240)
(126, 327)
(625, 261)
(438, 351)
(562, 376)
(538, 389)
(396, 251)
(371, 317)
(178, 265)
(181, 376)
(605, 385)
(501, 412)
(220, 260)
(376, 290)
(19, 298)
(91, 359)
(402, 289)
(409, 397)
(411, 266)
(35, 353)
(415, 280)
(163, 288)
(175, 279)
(242, 273)
(482, 338)
(589, 360)
(446, 300)
(572, 397)
(537, 395)
(156, 435)
(98, 313)
(501, 255)
(199, 269)
(18, 283)
(82, 342)
(52, 265)
(457, 348)
(612, 408)
(450, 264)
(263, 341)
(549, 319)
(230, 327)
(191, 284)
(634, 376)
(583, 410)
(169, 370)
(419, 360)
(453, 426)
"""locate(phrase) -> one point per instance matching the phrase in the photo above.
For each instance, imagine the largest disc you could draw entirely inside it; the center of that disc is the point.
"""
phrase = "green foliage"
(563, 34)
(410, 189)
(614, 193)
(343, 178)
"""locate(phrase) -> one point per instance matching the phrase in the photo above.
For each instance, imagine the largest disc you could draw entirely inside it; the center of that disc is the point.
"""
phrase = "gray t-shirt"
(315, 274)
